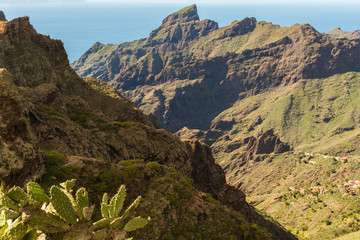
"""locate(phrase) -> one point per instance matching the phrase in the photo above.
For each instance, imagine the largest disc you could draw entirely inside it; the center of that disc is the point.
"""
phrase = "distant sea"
(79, 26)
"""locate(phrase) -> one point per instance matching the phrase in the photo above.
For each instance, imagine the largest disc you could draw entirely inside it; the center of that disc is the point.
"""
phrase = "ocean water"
(79, 26)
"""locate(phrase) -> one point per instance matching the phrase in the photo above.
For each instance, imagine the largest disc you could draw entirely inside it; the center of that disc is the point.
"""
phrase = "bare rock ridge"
(184, 15)
(178, 29)
(48, 109)
(2, 16)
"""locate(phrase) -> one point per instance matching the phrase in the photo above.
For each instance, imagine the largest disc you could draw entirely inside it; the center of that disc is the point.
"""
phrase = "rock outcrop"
(248, 150)
(2, 16)
(20, 158)
(178, 29)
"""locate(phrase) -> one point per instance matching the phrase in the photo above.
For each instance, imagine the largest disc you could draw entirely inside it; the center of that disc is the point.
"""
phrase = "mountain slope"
(259, 95)
(190, 85)
(55, 126)
(316, 115)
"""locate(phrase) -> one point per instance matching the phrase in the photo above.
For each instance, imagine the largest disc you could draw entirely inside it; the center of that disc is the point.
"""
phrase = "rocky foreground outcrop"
(50, 113)
(20, 158)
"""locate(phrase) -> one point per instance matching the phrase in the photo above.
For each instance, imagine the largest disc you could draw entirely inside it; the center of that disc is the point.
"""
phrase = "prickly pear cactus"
(63, 205)
(82, 200)
(117, 202)
(17, 194)
(111, 212)
(36, 193)
(105, 206)
(135, 224)
(68, 185)
(26, 215)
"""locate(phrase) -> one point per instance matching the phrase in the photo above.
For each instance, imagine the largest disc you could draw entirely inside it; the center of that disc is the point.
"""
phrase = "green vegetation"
(103, 87)
(50, 110)
(310, 199)
(176, 208)
(317, 116)
(350, 236)
(55, 170)
(26, 215)
(263, 34)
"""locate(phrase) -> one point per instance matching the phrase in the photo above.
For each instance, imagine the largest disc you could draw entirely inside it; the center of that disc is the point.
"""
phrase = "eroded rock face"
(249, 151)
(20, 160)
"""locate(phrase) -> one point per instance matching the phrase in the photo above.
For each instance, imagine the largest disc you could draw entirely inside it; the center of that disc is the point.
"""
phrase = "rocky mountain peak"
(2, 16)
(186, 14)
(179, 28)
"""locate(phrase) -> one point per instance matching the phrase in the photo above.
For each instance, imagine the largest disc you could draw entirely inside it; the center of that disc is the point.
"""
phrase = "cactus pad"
(135, 224)
(36, 193)
(117, 223)
(117, 202)
(45, 222)
(17, 194)
(2, 218)
(82, 200)
(132, 207)
(104, 210)
(17, 230)
(63, 205)
(103, 223)
(68, 185)
(5, 201)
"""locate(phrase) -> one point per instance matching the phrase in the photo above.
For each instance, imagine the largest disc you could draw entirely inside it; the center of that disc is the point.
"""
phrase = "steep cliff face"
(20, 159)
(52, 114)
